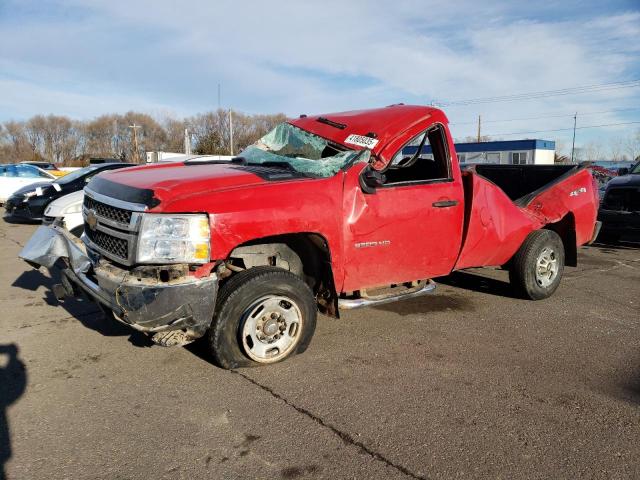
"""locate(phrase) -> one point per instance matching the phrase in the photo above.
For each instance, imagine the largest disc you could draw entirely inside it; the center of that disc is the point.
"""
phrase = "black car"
(620, 206)
(30, 202)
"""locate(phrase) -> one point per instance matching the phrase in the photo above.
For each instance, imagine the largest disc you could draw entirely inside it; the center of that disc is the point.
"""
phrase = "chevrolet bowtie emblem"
(92, 220)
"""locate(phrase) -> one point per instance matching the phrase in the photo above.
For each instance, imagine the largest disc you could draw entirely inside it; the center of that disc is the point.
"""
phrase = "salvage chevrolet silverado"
(325, 212)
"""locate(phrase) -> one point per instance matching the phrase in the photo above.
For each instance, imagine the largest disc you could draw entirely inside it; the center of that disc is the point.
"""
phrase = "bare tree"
(35, 133)
(615, 149)
(62, 140)
(174, 134)
(592, 152)
(632, 146)
(14, 137)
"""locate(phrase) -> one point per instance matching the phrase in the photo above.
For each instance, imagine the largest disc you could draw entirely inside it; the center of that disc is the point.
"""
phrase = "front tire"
(536, 268)
(263, 315)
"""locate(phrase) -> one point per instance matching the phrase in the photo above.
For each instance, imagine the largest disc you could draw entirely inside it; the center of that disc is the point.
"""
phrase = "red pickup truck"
(325, 212)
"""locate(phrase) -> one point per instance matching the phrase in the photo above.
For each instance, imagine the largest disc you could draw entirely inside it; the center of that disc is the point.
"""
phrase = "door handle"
(445, 203)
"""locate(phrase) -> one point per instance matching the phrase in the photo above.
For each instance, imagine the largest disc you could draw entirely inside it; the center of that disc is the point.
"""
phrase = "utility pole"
(573, 144)
(134, 127)
(230, 132)
(219, 104)
(187, 142)
(479, 123)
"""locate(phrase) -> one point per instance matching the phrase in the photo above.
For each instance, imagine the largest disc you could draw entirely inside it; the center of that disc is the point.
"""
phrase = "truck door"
(411, 227)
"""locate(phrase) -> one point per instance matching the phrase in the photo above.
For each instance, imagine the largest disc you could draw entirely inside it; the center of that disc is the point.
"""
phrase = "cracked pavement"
(469, 382)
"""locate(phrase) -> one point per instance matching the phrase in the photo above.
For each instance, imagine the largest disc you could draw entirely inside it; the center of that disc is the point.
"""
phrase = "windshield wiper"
(276, 164)
(214, 161)
(273, 164)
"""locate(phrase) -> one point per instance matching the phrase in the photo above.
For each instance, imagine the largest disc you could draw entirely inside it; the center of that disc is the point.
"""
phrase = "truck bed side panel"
(576, 194)
(495, 226)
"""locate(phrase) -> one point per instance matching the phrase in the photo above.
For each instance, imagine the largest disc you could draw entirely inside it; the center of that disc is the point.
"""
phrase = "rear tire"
(536, 268)
(263, 315)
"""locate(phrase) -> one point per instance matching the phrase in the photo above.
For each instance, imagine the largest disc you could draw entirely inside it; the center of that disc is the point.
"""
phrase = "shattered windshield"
(296, 149)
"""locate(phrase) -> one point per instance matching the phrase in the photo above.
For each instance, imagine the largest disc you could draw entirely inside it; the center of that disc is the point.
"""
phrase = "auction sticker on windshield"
(361, 141)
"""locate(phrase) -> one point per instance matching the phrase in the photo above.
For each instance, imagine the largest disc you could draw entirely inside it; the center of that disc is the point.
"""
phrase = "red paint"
(423, 241)
(495, 228)
(401, 236)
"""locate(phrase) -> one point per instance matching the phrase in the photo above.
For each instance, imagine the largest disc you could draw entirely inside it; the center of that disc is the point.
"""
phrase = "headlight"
(173, 239)
(75, 208)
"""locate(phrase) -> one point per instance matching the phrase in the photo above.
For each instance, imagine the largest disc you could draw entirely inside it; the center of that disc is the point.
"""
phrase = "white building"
(514, 152)
(510, 152)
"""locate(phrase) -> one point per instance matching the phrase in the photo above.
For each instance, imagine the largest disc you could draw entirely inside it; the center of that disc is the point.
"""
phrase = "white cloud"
(318, 56)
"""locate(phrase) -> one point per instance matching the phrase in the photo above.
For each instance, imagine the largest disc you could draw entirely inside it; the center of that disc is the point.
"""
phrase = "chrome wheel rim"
(271, 329)
(546, 267)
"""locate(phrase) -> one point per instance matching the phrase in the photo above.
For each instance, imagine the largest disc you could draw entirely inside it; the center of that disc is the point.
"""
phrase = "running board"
(370, 301)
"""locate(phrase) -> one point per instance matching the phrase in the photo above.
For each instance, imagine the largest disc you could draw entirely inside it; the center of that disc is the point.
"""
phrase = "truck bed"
(504, 203)
(519, 182)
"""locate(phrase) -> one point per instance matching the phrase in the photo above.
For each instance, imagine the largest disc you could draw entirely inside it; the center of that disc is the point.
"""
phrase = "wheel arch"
(566, 230)
(307, 254)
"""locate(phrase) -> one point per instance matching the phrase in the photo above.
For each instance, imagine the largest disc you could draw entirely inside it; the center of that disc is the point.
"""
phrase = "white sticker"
(56, 187)
(361, 141)
(39, 191)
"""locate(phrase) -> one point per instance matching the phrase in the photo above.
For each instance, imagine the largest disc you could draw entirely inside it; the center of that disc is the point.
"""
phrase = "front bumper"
(619, 222)
(145, 303)
(16, 208)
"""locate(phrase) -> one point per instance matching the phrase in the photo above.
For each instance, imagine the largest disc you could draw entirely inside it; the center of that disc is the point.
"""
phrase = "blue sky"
(84, 58)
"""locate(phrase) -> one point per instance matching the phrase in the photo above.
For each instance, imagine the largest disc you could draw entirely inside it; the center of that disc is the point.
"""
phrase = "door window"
(11, 171)
(424, 158)
(27, 171)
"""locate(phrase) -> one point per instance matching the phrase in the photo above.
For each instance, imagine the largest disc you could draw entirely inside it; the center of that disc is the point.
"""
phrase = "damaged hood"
(156, 184)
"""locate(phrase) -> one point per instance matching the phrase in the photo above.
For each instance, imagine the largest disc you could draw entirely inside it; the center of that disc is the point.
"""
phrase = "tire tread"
(227, 295)
(519, 273)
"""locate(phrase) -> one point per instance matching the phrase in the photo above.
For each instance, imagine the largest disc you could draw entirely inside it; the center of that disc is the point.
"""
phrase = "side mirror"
(371, 179)
(623, 171)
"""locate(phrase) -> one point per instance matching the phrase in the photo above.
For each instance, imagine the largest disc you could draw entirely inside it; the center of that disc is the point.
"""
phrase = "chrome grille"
(118, 247)
(111, 226)
(107, 211)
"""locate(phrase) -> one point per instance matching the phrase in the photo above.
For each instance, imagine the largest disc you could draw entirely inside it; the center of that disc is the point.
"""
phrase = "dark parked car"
(30, 202)
(620, 206)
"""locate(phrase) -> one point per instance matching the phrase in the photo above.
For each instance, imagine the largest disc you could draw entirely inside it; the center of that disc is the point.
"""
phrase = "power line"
(563, 129)
(544, 94)
(550, 115)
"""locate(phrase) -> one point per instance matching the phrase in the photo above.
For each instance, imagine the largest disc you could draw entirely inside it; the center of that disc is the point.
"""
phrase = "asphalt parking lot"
(469, 382)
